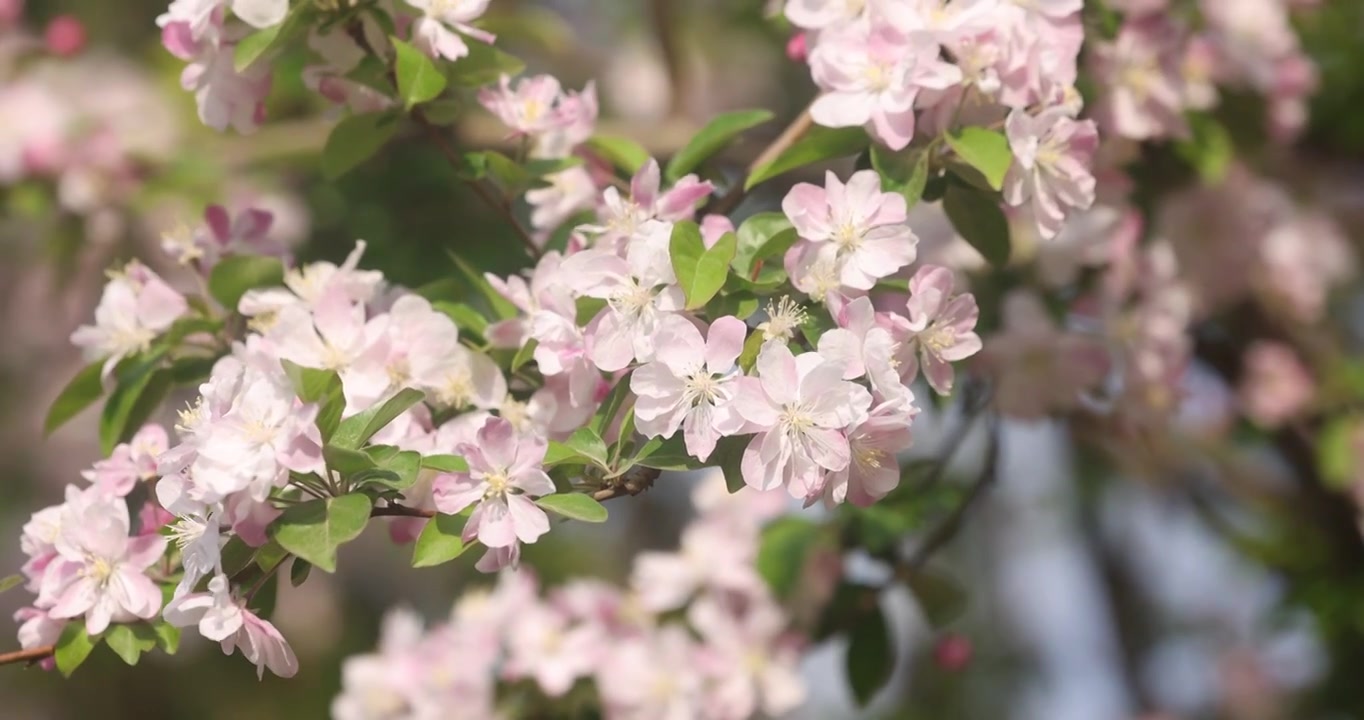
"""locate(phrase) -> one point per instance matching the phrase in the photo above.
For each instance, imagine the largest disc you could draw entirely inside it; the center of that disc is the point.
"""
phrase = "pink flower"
(431, 32)
(1276, 386)
(1038, 368)
(940, 329)
(526, 108)
(871, 76)
(799, 406)
(691, 383)
(754, 671)
(640, 290)
(863, 348)
(856, 227)
(37, 629)
(541, 644)
(1052, 156)
(874, 469)
(130, 462)
(712, 556)
(625, 217)
(136, 307)
(99, 570)
(821, 14)
(1141, 80)
(225, 97)
(504, 474)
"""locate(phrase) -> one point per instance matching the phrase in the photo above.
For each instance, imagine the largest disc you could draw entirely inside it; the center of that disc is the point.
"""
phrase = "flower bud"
(65, 35)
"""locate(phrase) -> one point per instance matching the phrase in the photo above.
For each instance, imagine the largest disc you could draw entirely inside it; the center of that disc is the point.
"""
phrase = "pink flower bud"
(953, 653)
(65, 35)
(10, 12)
(798, 48)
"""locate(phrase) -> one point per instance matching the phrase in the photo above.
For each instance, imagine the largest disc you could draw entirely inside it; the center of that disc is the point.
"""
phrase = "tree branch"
(944, 532)
(788, 137)
(400, 511)
(30, 655)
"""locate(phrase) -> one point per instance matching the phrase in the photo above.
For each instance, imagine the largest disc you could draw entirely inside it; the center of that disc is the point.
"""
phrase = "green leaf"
(621, 152)
(73, 647)
(311, 384)
(524, 355)
(483, 65)
(418, 78)
(574, 505)
(129, 641)
(587, 443)
(314, 529)
(762, 236)
(783, 551)
(442, 112)
(507, 173)
(80, 393)
(167, 636)
(904, 172)
(671, 454)
(139, 391)
(501, 307)
(977, 218)
(445, 463)
(464, 316)
(440, 541)
(728, 456)
(601, 422)
(817, 145)
(1210, 150)
(345, 460)
(234, 275)
(299, 570)
(404, 465)
(941, 598)
(267, 41)
(1336, 452)
(10, 582)
(748, 357)
(701, 272)
(711, 139)
(985, 150)
(871, 656)
(354, 140)
(588, 308)
(357, 429)
(741, 304)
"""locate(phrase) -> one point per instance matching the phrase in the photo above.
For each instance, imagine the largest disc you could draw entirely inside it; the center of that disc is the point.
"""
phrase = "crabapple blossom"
(755, 671)
(712, 556)
(860, 230)
(798, 406)
(528, 107)
(623, 218)
(1039, 368)
(873, 469)
(504, 474)
(309, 284)
(1143, 94)
(1052, 156)
(99, 571)
(542, 645)
(691, 383)
(1276, 386)
(130, 462)
(864, 348)
(872, 75)
(939, 330)
(434, 33)
(136, 307)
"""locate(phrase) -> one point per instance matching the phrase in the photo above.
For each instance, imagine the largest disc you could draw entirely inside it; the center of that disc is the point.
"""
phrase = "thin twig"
(268, 574)
(788, 137)
(944, 532)
(400, 511)
(30, 655)
(950, 445)
(493, 200)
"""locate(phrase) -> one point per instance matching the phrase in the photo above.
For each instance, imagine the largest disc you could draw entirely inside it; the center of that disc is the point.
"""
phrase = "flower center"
(457, 390)
(701, 387)
(796, 419)
(878, 77)
(498, 485)
(847, 237)
(186, 530)
(515, 412)
(100, 569)
(868, 458)
(632, 300)
(939, 337)
(783, 318)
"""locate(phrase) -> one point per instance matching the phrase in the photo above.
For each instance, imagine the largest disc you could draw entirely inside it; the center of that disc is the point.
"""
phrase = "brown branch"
(400, 511)
(30, 655)
(635, 481)
(664, 16)
(788, 137)
(944, 532)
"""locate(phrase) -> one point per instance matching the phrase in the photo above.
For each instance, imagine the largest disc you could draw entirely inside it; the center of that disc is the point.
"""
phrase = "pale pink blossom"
(526, 108)
(858, 228)
(1051, 169)
(939, 330)
(434, 33)
(99, 570)
(504, 474)
(263, 646)
(872, 75)
(1142, 87)
(622, 218)
(543, 645)
(37, 628)
(799, 406)
(653, 677)
(754, 668)
(130, 462)
(691, 383)
(863, 348)
(310, 284)
(1038, 368)
(568, 192)
(873, 445)
(821, 14)
(225, 97)
(136, 307)
(1275, 387)
(712, 556)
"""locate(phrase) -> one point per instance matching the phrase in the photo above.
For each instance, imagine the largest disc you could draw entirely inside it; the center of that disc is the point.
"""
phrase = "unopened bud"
(65, 35)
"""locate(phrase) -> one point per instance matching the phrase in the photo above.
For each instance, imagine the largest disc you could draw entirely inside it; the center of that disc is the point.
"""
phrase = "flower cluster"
(696, 634)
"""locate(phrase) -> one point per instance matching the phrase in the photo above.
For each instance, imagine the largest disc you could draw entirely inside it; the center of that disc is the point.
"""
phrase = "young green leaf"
(73, 647)
(871, 656)
(402, 465)
(445, 463)
(167, 636)
(574, 505)
(80, 393)
(587, 443)
(621, 152)
(977, 218)
(440, 541)
(711, 139)
(355, 139)
(700, 271)
(129, 641)
(524, 354)
(269, 40)
(606, 415)
(10, 582)
(483, 65)
(418, 78)
(356, 430)
(501, 306)
(904, 172)
(783, 551)
(818, 144)
(234, 275)
(985, 150)
(761, 236)
(299, 570)
(314, 529)
(132, 402)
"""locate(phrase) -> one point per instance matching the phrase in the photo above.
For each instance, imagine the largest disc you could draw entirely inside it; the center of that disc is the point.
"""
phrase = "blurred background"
(1098, 590)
